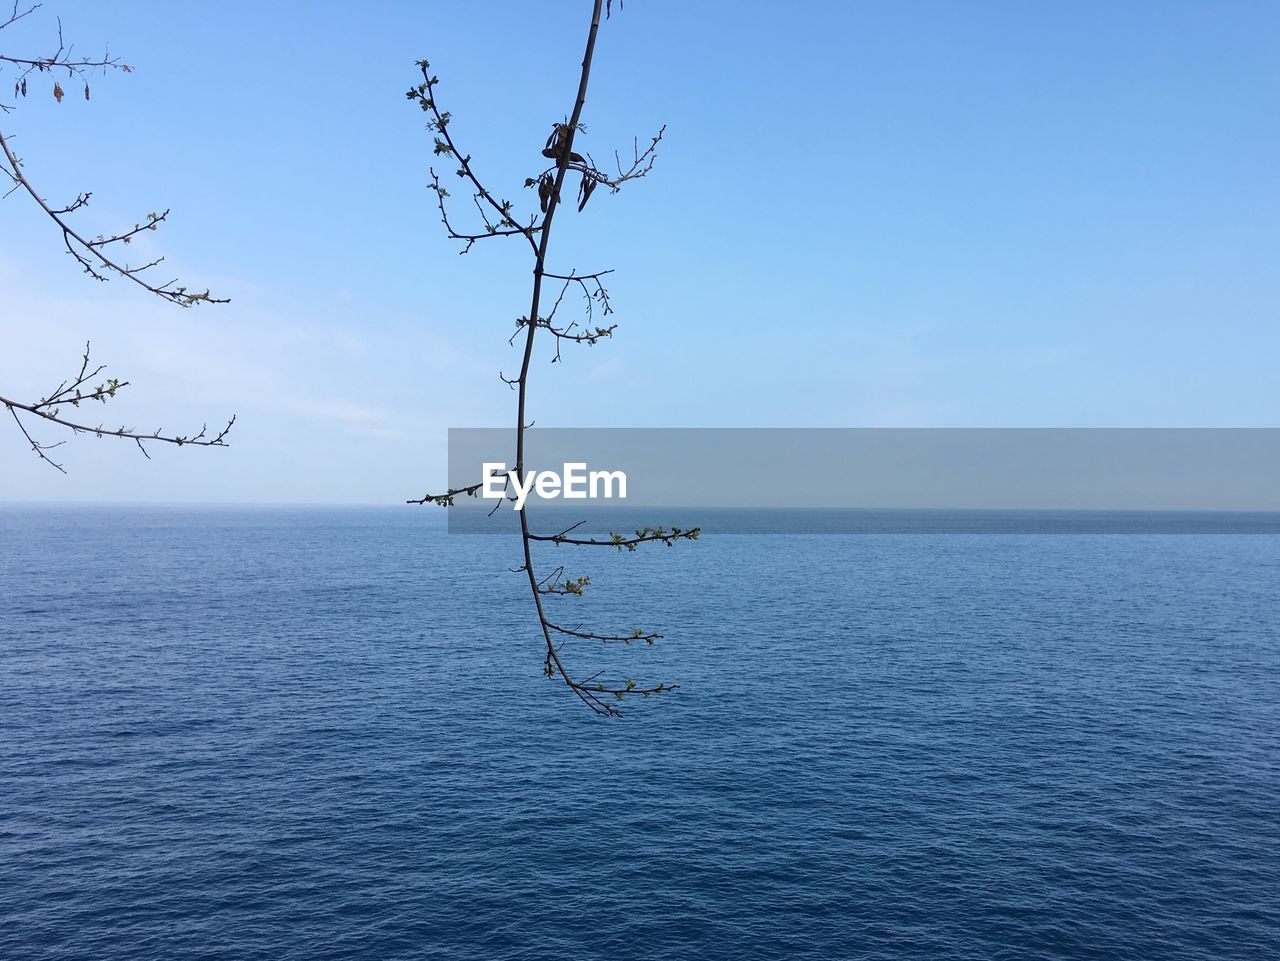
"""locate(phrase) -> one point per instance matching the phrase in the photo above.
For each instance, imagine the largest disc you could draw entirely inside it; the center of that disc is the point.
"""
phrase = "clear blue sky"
(889, 213)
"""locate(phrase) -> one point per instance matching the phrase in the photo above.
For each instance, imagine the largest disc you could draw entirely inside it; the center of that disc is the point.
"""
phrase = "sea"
(230, 734)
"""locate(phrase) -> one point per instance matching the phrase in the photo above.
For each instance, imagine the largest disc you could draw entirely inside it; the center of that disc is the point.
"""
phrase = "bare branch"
(497, 219)
(77, 390)
(59, 62)
(90, 253)
(636, 635)
(646, 535)
(446, 499)
(97, 257)
(424, 94)
(553, 585)
(583, 335)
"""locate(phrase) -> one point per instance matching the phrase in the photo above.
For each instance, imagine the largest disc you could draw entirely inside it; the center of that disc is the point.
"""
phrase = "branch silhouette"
(78, 390)
(99, 256)
(497, 218)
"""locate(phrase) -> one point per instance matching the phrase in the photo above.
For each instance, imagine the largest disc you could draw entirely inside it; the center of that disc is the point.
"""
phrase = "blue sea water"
(323, 734)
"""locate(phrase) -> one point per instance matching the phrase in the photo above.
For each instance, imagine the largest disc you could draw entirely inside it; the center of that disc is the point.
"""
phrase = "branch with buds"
(79, 390)
(99, 256)
(60, 63)
(498, 218)
(96, 255)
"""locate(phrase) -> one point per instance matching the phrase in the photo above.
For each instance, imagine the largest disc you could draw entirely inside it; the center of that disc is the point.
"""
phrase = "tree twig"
(600, 696)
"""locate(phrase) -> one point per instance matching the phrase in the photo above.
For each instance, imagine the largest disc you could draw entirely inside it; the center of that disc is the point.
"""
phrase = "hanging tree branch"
(95, 255)
(497, 218)
(98, 256)
(79, 390)
(59, 62)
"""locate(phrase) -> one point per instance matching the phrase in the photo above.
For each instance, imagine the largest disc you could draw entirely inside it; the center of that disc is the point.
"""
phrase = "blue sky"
(863, 214)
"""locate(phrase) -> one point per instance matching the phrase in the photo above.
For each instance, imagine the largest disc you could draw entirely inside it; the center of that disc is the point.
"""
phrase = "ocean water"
(323, 734)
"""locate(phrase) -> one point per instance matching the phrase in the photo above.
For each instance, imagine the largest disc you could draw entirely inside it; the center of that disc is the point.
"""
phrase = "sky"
(903, 214)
